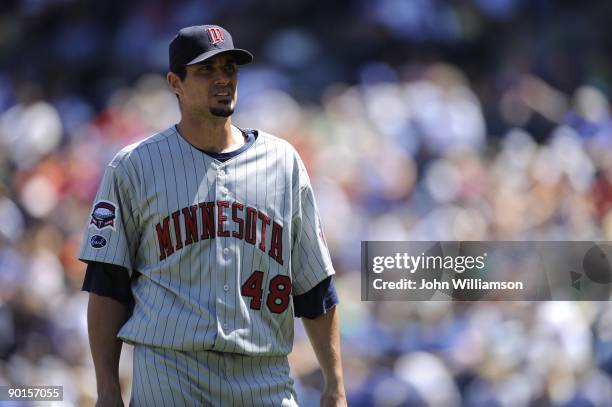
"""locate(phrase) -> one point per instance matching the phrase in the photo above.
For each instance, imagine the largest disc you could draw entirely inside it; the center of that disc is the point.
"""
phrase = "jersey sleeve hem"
(309, 285)
(87, 260)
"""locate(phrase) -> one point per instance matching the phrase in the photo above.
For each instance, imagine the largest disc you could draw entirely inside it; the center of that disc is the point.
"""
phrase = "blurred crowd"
(418, 120)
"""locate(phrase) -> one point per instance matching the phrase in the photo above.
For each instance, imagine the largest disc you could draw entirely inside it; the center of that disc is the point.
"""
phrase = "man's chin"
(222, 111)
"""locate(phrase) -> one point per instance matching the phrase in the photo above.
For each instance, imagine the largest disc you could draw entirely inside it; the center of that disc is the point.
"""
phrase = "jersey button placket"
(223, 195)
(220, 259)
(221, 182)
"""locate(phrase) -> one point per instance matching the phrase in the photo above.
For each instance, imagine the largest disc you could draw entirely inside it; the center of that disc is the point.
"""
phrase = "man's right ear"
(175, 83)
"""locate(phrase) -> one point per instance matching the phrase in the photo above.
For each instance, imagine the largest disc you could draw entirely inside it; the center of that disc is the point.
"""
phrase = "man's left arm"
(316, 304)
(324, 335)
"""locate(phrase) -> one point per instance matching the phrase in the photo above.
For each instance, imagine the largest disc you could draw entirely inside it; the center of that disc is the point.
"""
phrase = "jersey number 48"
(279, 290)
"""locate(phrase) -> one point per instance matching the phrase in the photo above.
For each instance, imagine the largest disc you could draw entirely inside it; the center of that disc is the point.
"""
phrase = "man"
(204, 241)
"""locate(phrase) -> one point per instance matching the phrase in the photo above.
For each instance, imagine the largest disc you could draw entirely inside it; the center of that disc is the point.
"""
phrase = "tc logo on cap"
(215, 35)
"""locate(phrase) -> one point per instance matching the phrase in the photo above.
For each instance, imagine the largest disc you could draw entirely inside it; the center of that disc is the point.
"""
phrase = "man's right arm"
(105, 316)
(110, 301)
(108, 247)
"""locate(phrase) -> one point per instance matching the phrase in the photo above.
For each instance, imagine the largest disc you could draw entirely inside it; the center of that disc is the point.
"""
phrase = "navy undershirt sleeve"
(316, 302)
(108, 280)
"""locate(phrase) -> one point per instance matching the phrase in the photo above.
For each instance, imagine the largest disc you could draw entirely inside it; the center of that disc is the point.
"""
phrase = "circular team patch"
(97, 241)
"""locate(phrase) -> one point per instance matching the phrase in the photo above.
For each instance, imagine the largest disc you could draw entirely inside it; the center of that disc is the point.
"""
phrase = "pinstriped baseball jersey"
(220, 247)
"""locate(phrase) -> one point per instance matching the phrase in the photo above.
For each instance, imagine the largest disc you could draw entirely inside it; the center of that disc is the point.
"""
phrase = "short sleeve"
(111, 232)
(311, 262)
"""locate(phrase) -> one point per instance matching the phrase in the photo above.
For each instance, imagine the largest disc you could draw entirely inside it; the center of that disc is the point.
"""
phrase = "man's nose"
(222, 78)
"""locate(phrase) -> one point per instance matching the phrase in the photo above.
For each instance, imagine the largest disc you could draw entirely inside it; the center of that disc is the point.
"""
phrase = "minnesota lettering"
(216, 220)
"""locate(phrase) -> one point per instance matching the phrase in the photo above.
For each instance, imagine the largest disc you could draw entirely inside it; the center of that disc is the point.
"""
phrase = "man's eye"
(230, 68)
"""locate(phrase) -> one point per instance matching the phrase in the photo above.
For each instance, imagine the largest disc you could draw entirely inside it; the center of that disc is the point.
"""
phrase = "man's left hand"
(333, 398)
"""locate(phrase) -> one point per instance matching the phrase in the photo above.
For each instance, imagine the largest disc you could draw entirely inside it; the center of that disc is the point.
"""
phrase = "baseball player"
(204, 242)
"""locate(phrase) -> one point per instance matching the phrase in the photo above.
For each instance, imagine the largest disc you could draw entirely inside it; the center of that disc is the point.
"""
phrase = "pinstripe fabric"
(188, 296)
(229, 379)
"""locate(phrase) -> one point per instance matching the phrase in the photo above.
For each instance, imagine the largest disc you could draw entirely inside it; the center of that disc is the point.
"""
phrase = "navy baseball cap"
(198, 43)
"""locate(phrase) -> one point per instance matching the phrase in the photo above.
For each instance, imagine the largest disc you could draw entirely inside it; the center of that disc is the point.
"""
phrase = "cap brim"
(241, 56)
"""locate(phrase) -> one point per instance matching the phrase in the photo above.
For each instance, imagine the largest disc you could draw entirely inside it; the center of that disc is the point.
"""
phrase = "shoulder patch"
(103, 215)
(97, 241)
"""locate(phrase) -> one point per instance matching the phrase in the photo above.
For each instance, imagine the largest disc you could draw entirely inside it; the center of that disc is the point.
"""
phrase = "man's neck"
(214, 136)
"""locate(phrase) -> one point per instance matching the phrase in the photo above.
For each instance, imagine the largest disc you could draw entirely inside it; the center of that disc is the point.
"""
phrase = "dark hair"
(182, 73)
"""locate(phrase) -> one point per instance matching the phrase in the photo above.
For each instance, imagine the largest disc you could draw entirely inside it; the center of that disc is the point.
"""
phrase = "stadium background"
(418, 120)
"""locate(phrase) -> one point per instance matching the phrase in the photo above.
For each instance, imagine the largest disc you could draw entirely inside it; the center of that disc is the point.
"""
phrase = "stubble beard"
(222, 111)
